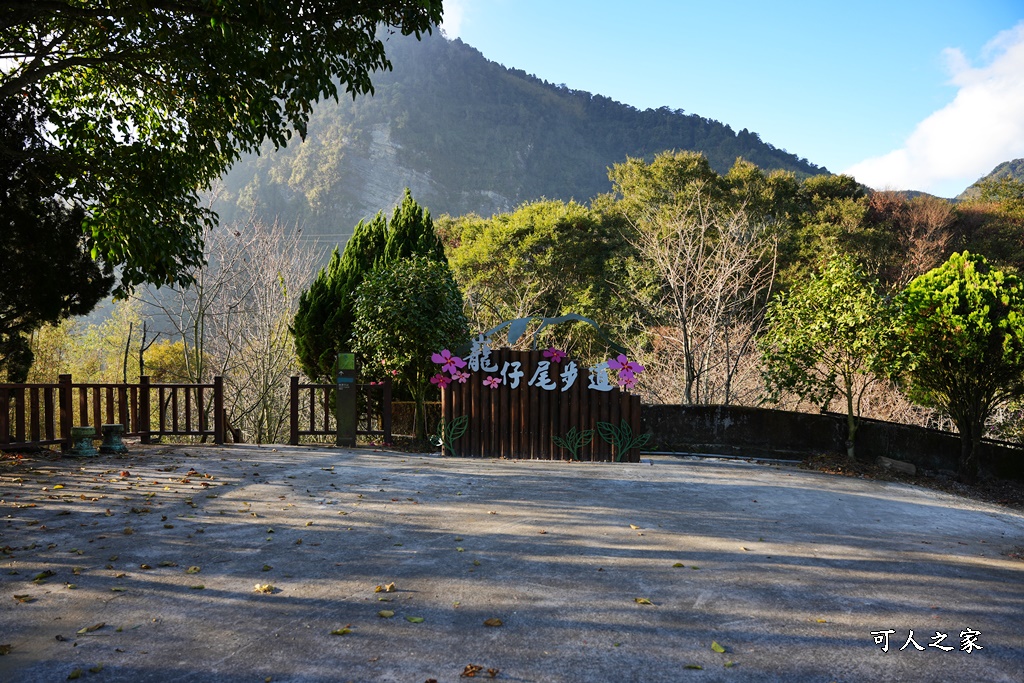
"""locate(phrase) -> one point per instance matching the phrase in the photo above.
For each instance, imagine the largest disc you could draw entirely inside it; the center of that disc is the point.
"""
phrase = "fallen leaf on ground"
(75, 674)
(493, 673)
(24, 598)
(341, 631)
(198, 587)
(90, 629)
(633, 526)
(43, 576)
(729, 665)
(697, 667)
(385, 614)
(414, 620)
(471, 671)
(677, 565)
(642, 601)
(716, 647)
(388, 588)
(193, 570)
(493, 622)
(5, 649)
(264, 588)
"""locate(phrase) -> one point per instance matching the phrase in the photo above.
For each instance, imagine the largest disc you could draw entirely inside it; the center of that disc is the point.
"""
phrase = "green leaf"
(341, 632)
(716, 647)
(414, 620)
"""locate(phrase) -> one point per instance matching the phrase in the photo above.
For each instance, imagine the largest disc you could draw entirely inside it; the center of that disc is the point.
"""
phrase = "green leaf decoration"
(458, 427)
(448, 434)
(574, 440)
(621, 438)
(608, 432)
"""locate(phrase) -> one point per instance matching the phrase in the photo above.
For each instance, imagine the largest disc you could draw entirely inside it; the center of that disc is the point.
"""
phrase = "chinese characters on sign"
(968, 641)
(510, 373)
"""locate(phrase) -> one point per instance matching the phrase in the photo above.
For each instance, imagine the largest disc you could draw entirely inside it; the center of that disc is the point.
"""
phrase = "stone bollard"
(81, 441)
(112, 442)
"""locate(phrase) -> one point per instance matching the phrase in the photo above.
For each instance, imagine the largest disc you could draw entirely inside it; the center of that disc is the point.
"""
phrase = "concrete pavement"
(597, 571)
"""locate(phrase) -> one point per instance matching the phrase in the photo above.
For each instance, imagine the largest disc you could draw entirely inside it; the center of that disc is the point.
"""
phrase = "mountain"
(1013, 169)
(466, 135)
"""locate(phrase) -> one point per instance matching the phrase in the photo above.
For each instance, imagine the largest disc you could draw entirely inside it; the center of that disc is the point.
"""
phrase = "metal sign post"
(345, 400)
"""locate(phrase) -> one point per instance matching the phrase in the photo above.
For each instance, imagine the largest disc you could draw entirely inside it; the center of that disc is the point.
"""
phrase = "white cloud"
(454, 13)
(982, 127)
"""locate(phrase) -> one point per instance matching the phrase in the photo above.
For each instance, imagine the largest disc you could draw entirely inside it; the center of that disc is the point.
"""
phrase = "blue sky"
(902, 94)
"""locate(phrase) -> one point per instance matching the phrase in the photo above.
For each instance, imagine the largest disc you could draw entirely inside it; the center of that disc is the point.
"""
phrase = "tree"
(233, 322)
(404, 312)
(546, 258)
(958, 344)
(48, 273)
(705, 270)
(821, 340)
(153, 99)
(322, 326)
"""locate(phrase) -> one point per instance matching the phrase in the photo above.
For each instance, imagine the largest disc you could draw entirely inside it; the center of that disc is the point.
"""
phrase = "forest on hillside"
(467, 135)
(684, 266)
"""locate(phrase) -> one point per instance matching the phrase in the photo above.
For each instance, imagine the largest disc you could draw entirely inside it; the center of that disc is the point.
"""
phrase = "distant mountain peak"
(1008, 169)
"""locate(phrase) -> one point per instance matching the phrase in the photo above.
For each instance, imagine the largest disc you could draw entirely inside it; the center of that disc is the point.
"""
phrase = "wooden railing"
(43, 414)
(312, 410)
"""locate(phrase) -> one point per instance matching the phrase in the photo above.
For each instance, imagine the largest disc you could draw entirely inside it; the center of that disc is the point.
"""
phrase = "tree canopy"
(322, 326)
(822, 339)
(404, 313)
(958, 344)
(48, 273)
(153, 99)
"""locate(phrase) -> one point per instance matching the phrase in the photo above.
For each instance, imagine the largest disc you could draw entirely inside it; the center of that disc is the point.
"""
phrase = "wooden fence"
(312, 410)
(43, 414)
(523, 422)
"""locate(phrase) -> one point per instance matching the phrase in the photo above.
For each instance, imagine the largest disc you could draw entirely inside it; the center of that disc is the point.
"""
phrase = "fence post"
(293, 401)
(218, 411)
(66, 411)
(144, 423)
(5, 416)
(385, 412)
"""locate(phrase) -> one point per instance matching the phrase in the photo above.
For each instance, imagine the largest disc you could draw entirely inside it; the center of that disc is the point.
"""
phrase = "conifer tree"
(323, 323)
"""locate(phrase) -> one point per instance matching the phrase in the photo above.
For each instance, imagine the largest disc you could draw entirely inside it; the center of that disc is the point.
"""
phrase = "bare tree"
(714, 268)
(234, 321)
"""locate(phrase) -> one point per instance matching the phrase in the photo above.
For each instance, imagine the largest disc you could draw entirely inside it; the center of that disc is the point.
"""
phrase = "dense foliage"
(323, 323)
(470, 136)
(958, 344)
(822, 340)
(405, 312)
(47, 271)
(152, 100)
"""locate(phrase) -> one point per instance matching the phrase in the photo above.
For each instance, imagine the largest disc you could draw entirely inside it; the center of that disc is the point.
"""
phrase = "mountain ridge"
(467, 135)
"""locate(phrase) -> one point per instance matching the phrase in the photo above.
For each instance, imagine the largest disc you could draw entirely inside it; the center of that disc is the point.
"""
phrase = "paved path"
(789, 571)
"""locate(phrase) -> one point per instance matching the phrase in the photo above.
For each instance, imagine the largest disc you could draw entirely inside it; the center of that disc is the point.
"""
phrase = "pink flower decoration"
(627, 383)
(618, 363)
(556, 355)
(460, 376)
(634, 367)
(441, 379)
(626, 375)
(448, 362)
(492, 382)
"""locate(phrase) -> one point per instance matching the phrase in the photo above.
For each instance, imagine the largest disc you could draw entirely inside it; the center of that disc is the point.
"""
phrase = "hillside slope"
(467, 135)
